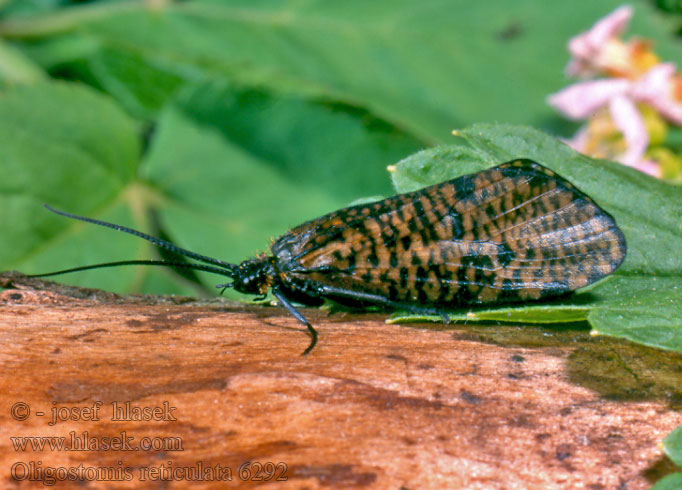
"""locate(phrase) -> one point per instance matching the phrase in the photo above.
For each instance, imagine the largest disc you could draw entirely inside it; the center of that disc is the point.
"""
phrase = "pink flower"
(649, 167)
(657, 88)
(620, 97)
(581, 100)
(625, 112)
(599, 48)
(597, 138)
(628, 120)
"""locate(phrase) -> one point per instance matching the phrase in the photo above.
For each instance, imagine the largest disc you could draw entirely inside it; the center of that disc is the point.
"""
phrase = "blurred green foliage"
(220, 124)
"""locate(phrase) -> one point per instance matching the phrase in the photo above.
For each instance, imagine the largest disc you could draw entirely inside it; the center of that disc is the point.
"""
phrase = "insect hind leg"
(337, 294)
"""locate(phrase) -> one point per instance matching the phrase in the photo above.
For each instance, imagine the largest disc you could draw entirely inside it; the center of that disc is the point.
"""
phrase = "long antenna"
(165, 263)
(156, 241)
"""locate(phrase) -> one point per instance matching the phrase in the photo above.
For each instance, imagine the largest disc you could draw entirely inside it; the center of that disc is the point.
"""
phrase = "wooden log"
(216, 386)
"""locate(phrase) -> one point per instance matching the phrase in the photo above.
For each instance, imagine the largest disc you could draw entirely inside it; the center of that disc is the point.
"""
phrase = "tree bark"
(221, 390)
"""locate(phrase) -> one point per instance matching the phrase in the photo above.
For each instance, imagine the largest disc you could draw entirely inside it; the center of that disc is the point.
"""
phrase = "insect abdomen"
(513, 232)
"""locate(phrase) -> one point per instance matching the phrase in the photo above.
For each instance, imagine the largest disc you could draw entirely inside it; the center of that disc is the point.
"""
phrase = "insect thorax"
(254, 276)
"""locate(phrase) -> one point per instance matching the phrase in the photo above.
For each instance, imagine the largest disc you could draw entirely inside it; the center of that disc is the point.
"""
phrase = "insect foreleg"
(291, 309)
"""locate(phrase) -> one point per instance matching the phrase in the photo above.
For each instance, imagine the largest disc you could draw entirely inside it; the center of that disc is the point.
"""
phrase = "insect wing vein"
(513, 232)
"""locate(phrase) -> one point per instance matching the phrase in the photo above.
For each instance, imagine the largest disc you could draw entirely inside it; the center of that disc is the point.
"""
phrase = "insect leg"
(297, 314)
(224, 287)
(331, 291)
(369, 297)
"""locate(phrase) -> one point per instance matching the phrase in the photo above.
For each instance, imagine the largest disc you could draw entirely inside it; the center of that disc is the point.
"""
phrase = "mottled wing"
(513, 232)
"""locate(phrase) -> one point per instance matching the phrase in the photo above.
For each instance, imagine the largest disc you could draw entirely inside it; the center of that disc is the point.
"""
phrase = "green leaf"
(23, 7)
(644, 309)
(319, 143)
(669, 482)
(59, 144)
(435, 165)
(142, 84)
(17, 68)
(68, 146)
(672, 445)
(425, 66)
(237, 167)
(217, 198)
(642, 302)
(544, 313)
(226, 170)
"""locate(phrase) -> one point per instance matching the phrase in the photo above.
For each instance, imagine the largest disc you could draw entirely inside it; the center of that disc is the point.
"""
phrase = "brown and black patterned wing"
(514, 232)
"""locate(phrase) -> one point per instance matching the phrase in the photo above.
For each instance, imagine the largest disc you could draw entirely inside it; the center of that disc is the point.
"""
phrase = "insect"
(514, 232)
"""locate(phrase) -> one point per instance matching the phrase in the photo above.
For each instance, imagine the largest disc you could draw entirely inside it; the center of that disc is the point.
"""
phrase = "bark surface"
(216, 387)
